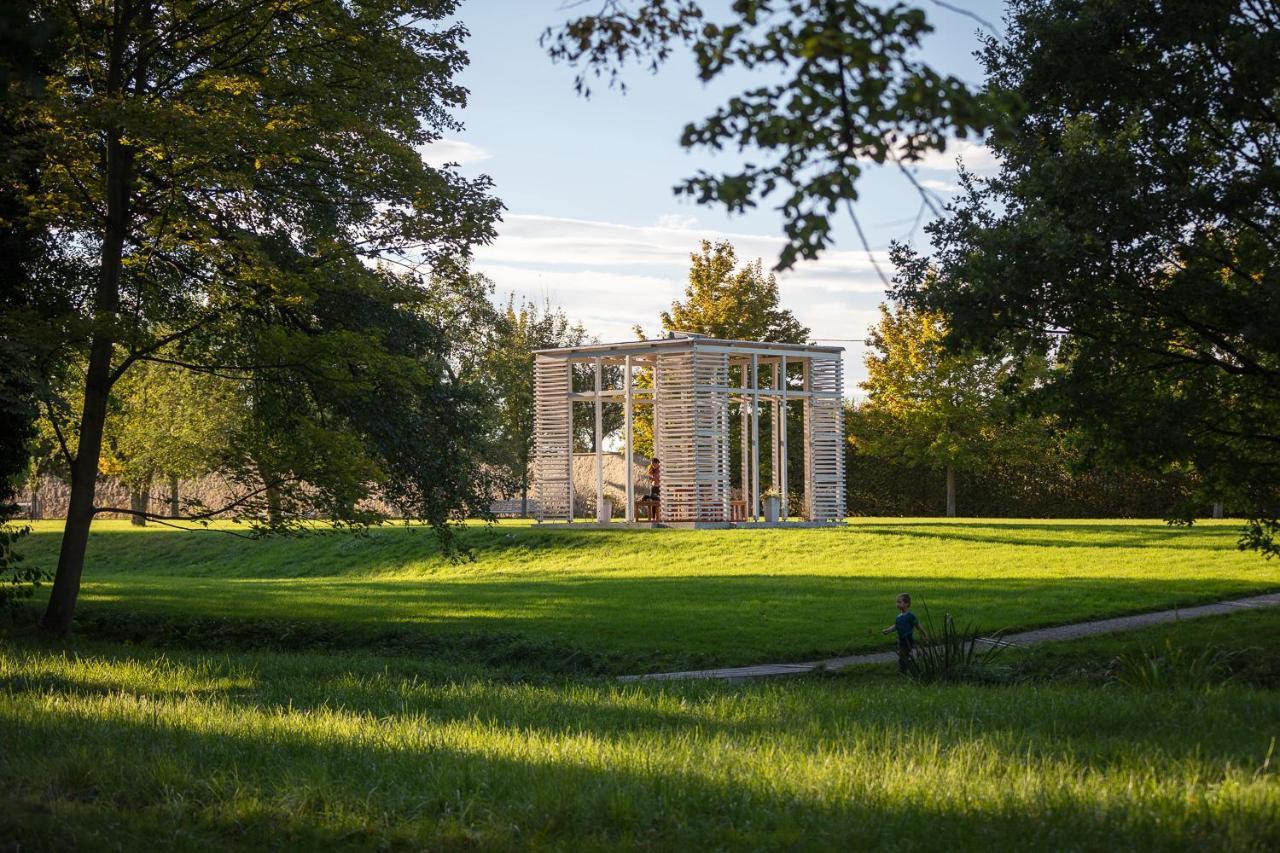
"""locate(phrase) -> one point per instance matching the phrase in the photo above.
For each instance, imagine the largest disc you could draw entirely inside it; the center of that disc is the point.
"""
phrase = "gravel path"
(1026, 638)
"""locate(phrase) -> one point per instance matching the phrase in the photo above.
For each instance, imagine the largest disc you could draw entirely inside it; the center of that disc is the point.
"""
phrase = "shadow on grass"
(606, 625)
(119, 549)
(502, 770)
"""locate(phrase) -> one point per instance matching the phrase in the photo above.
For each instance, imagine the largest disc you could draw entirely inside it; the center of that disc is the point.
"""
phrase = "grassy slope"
(653, 599)
(1251, 637)
(109, 746)
(114, 746)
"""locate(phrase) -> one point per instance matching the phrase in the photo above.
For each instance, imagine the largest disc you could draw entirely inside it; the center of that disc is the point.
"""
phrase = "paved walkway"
(1026, 638)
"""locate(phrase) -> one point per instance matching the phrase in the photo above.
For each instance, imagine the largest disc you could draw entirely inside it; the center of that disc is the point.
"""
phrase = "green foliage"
(1247, 644)
(952, 654)
(934, 408)
(723, 300)
(236, 181)
(17, 581)
(508, 365)
(168, 421)
(1132, 233)
(1055, 486)
(1170, 666)
(844, 88)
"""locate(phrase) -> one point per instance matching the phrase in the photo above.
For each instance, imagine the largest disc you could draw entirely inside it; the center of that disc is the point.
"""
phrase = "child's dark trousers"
(905, 646)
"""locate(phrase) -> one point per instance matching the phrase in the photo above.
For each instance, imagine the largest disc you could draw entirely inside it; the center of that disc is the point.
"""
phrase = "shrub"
(955, 655)
(1174, 666)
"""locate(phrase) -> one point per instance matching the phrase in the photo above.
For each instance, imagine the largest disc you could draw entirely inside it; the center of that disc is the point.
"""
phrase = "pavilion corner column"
(775, 443)
(745, 429)
(755, 437)
(630, 510)
(782, 452)
(599, 441)
(568, 401)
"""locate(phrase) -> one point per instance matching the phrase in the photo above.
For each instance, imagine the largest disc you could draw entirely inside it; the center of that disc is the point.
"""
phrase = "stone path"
(1025, 638)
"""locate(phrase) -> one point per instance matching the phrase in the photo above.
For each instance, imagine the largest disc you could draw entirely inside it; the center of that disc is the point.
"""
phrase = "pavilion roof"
(683, 340)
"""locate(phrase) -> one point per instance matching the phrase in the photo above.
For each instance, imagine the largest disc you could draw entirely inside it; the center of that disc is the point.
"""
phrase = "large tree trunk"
(1218, 509)
(951, 492)
(97, 384)
(174, 503)
(34, 510)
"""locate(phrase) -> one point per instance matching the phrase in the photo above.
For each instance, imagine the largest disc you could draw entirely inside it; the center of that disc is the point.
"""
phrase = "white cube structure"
(693, 384)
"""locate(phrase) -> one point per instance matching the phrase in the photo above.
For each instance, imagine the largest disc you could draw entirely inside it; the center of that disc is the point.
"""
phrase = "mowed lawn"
(199, 739)
(647, 599)
(108, 747)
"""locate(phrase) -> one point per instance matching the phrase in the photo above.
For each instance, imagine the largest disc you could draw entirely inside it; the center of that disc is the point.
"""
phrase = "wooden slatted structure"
(692, 382)
(552, 438)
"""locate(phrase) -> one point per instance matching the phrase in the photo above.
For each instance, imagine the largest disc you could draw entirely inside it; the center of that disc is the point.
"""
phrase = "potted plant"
(772, 505)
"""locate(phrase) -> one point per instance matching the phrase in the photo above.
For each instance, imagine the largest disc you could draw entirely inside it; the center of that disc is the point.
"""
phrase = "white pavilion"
(694, 385)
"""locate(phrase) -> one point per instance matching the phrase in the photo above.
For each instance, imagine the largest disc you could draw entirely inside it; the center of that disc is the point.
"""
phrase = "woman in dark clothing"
(655, 484)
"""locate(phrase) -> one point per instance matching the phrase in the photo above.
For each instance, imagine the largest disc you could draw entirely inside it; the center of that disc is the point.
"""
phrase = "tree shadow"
(616, 624)
(511, 768)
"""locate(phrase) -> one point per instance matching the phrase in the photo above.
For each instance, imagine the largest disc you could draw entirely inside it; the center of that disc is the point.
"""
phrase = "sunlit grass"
(181, 750)
(651, 599)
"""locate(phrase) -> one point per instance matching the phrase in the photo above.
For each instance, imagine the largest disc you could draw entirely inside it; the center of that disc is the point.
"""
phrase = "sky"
(591, 222)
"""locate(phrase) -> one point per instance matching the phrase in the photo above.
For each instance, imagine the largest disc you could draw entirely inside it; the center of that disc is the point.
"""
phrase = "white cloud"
(443, 151)
(977, 158)
(612, 277)
(679, 221)
(940, 186)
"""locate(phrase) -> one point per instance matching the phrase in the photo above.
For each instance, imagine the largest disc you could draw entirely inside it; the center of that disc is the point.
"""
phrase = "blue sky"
(591, 221)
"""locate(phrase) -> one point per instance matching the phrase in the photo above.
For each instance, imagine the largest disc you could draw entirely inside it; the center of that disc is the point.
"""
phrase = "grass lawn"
(108, 746)
(204, 739)
(638, 600)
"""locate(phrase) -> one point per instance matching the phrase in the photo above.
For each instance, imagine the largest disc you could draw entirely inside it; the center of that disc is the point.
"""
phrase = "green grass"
(1252, 638)
(623, 600)
(356, 693)
(108, 747)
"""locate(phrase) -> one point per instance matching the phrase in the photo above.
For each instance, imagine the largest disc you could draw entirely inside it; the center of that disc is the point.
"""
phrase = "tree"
(524, 328)
(1133, 231)
(723, 300)
(845, 89)
(228, 172)
(28, 257)
(928, 406)
(169, 423)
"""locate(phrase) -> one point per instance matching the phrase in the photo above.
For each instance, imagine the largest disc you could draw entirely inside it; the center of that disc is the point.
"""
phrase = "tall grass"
(954, 654)
(107, 748)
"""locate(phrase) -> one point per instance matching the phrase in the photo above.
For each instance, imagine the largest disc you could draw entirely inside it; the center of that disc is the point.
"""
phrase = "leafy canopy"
(724, 300)
(1133, 232)
(845, 88)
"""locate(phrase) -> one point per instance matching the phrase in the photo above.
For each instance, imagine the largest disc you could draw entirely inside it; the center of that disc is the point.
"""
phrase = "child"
(905, 624)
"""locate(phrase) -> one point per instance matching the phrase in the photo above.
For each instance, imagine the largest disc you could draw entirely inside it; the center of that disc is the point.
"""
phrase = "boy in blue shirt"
(905, 624)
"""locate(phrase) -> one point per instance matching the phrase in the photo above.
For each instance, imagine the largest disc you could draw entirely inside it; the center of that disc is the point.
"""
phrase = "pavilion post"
(568, 401)
(744, 417)
(807, 424)
(782, 452)
(627, 414)
(755, 437)
(599, 440)
(775, 472)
